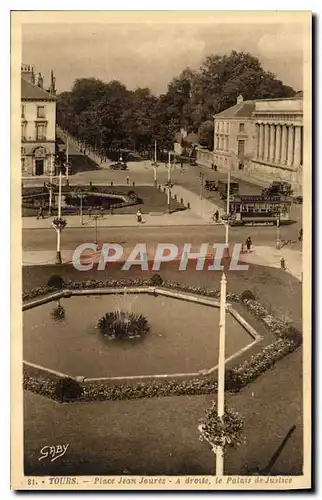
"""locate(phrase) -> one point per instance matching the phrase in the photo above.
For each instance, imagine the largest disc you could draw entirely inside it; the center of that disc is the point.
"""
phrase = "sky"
(150, 55)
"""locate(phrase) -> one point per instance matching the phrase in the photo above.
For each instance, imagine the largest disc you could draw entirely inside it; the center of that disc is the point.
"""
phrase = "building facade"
(263, 138)
(38, 123)
(234, 135)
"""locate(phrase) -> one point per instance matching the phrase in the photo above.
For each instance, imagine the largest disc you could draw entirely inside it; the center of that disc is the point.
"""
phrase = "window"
(23, 151)
(22, 111)
(241, 147)
(242, 127)
(23, 131)
(40, 132)
(40, 111)
(23, 165)
(227, 128)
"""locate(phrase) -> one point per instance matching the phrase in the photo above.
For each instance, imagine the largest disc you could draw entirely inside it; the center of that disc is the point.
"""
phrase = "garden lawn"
(153, 200)
(278, 291)
(159, 436)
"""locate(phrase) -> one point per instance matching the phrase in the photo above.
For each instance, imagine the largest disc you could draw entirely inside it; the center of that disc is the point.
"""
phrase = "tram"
(259, 210)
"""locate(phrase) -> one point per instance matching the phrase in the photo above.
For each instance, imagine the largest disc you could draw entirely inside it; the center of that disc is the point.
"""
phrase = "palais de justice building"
(38, 123)
(262, 138)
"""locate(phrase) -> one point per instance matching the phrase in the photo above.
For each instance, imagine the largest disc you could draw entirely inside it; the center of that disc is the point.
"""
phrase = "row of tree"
(108, 115)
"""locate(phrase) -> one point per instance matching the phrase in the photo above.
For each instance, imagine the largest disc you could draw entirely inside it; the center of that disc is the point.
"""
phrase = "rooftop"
(243, 109)
(31, 92)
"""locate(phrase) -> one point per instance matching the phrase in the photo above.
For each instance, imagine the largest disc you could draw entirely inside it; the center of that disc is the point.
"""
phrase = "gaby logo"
(150, 258)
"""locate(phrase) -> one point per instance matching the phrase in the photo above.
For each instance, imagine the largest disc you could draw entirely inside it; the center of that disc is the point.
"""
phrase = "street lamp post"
(221, 371)
(227, 206)
(80, 193)
(96, 216)
(50, 187)
(169, 183)
(201, 185)
(59, 223)
(278, 223)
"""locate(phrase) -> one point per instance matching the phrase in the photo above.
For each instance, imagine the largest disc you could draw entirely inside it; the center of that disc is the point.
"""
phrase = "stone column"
(266, 142)
(284, 144)
(257, 139)
(261, 140)
(272, 143)
(277, 156)
(290, 146)
(297, 146)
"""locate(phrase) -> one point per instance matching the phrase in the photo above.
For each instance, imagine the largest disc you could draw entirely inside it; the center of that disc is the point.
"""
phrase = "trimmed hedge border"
(288, 339)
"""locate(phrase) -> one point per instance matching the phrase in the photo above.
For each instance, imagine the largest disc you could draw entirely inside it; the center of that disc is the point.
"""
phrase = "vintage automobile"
(278, 188)
(211, 185)
(118, 166)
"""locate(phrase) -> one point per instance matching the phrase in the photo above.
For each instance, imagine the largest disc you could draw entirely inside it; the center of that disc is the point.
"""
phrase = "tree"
(206, 134)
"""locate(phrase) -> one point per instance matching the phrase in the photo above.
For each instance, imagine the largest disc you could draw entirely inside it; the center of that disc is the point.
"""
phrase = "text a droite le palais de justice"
(87, 254)
(173, 482)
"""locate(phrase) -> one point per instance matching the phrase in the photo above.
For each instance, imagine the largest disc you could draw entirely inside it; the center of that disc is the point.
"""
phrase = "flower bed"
(288, 339)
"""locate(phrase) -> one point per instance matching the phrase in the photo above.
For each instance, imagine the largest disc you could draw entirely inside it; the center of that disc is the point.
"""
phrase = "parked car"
(211, 185)
(278, 188)
(298, 200)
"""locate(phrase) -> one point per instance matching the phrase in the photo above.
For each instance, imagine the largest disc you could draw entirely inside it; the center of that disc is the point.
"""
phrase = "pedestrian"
(139, 216)
(212, 166)
(217, 216)
(127, 180)
(248, 243)
(215, 167)
(41, 212)
(300, 236)
(283, 265)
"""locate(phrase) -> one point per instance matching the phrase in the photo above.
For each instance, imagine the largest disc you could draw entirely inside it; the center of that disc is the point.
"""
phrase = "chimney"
(40, 81)
(27, 73)
(240, 99)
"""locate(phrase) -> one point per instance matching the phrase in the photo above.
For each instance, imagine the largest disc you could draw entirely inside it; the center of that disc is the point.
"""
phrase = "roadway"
(45, 239)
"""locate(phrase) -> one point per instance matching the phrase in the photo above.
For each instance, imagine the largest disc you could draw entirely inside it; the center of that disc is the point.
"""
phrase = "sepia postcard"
(161, 173)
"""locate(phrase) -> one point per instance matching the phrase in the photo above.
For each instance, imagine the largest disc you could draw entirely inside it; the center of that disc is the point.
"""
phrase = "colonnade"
(279, 143)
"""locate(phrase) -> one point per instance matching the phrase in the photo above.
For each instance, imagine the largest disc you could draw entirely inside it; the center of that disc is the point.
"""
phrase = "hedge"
(288, 340)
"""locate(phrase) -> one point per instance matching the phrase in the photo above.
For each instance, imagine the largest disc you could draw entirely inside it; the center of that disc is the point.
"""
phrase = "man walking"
(248, 243)
(139, 216)
(40, 212)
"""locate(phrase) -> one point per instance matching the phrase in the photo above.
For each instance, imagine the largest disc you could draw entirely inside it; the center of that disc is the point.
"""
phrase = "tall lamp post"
(278, 223)
(51, 186)
(59, 223)
(227, 205)
(95, 217)
(221, 371)
(169, 183)
(202, 176)
(155, 164)
(80, 193)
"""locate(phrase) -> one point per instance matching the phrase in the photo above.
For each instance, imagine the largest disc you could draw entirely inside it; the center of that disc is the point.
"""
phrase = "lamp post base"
(58, 258)
(155, 183)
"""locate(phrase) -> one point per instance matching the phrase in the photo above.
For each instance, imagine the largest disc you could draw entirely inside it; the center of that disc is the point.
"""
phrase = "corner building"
(38, 123)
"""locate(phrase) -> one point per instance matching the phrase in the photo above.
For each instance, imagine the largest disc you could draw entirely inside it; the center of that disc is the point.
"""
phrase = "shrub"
(225, 431)
(121, 325)
(156, 280)
(293, 334)
(68, 389)
(247, 295)
(56, 281)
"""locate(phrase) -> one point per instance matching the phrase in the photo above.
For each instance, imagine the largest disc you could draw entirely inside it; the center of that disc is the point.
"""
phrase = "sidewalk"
(200, 207)
(268, 256)
(184, 218)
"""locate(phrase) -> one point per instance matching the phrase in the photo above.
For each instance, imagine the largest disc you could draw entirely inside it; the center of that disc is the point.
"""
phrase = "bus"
(258, 209)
